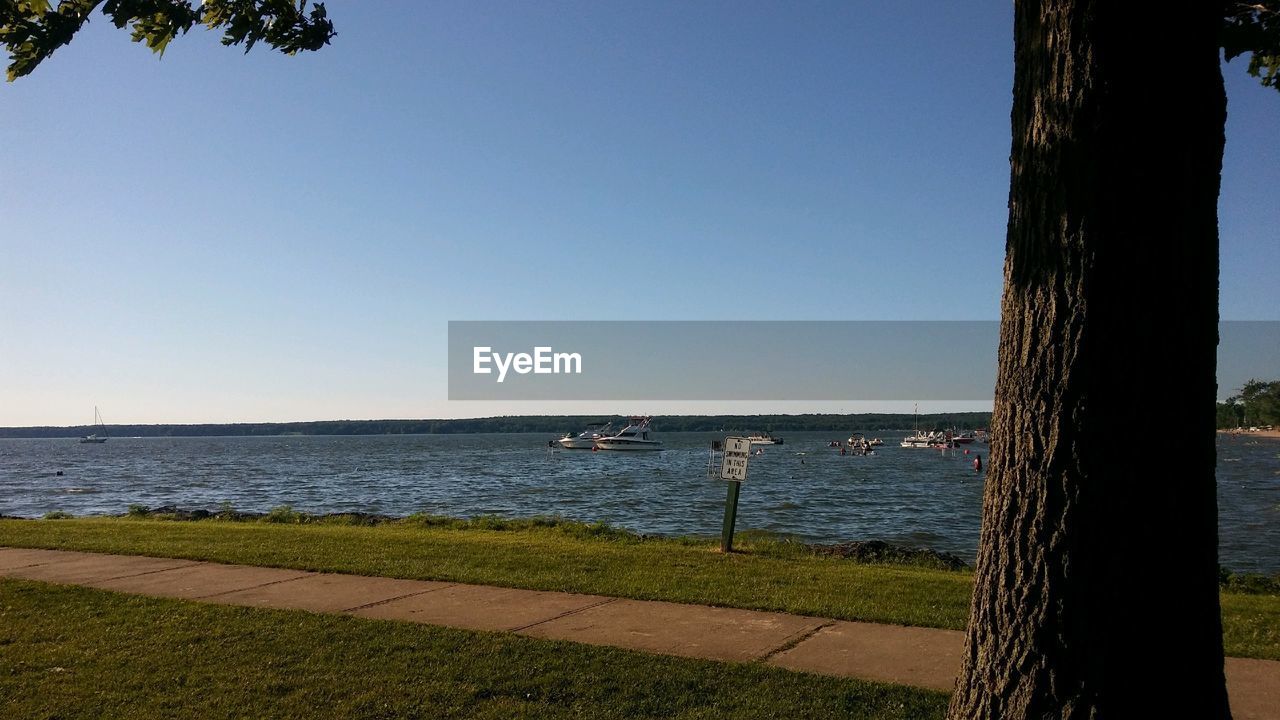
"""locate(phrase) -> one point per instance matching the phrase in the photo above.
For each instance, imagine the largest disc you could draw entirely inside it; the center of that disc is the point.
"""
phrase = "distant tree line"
(554, 424)
(1257, 404)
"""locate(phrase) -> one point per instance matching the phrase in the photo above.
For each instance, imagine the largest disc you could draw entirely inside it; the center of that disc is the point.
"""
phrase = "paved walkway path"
(922, 657)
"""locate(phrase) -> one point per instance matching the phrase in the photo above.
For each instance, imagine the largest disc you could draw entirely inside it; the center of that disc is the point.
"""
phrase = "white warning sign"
(736, 453)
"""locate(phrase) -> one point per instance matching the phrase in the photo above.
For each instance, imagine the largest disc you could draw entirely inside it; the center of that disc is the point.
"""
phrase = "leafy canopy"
(32, 30)
(1257, 404)
(1254, 27)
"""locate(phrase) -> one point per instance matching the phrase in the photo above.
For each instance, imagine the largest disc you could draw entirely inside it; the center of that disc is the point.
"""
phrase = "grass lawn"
(69, 652)
(768, 575)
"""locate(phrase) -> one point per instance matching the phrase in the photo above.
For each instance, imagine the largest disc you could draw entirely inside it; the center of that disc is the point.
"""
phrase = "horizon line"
(493, 417)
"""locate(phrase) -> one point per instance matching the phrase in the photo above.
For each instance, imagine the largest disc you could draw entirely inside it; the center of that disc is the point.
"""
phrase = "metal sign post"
(734, 469)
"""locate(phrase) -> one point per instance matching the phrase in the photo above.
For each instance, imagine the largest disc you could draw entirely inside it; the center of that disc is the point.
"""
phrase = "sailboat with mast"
(101, 435)
(918, 439)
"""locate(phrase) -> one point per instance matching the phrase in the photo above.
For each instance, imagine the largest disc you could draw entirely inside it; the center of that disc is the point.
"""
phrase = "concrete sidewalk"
(922, 657)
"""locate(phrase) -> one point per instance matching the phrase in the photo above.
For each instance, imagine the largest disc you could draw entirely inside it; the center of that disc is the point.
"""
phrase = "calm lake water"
(918, 497)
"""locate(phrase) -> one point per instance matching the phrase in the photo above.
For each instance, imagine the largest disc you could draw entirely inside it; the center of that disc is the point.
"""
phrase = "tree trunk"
(1096, 589)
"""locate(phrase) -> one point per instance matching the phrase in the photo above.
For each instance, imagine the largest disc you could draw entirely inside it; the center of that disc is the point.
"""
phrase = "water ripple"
(803, 488)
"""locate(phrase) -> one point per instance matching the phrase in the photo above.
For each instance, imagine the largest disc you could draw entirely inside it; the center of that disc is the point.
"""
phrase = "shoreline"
(863, 552)
(874, 552)
(555, 425)
(1269, 434)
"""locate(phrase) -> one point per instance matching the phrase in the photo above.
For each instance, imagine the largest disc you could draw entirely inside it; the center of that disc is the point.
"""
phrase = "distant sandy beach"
(1254, 434)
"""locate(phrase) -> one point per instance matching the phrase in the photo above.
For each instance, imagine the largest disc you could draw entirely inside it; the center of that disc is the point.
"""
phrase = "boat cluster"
(858, 445)
(636, 435)
(939, 439)
(601, 436)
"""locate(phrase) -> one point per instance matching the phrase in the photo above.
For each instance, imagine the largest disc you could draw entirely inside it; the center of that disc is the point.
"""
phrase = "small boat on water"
(635, 436)
(102, 429)
(764, 439)
(936, 440)
(922, 440)
(919, 440)
(860, 445)
(586, 439)
(916, 439)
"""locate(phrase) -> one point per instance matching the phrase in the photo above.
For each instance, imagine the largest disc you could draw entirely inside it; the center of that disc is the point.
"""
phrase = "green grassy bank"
(73, 652)
(557, 555)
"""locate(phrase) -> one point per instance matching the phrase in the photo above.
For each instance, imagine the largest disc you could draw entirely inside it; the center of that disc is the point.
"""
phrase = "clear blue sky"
(215, 236)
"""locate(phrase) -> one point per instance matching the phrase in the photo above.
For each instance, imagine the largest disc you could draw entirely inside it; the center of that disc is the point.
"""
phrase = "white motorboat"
(95, 437)
(635, 436)
(764, 439)
(586, 439)
(860, 445)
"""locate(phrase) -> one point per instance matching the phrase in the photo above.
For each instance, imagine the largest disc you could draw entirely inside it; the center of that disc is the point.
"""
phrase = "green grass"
(556, 555)
(1251, 625)
(70, 652)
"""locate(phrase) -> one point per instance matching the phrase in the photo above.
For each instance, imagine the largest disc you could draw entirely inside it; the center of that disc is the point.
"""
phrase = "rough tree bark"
(1096, 589)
